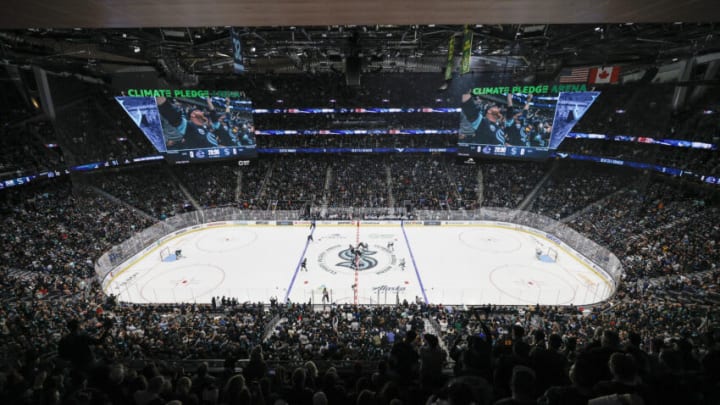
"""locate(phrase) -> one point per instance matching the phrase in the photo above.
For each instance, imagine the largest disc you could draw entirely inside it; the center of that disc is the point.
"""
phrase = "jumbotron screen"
(190, 126)
(501, 122)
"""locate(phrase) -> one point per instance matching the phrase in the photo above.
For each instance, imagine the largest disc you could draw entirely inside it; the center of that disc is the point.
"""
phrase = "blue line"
(297, 268)
(412, 257)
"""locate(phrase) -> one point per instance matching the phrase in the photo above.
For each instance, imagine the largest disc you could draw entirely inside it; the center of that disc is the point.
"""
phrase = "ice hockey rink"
(382, 262)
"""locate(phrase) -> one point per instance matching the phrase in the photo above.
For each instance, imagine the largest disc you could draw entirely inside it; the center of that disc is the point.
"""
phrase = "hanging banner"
(467, 50)
(604, 75)
(450, 57)
(238, 66)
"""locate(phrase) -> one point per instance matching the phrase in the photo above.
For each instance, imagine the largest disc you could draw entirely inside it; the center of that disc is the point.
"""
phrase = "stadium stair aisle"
(597, 204)
(480, 188)
(266, 179)
(531, 197)
(114, 199)
(238, 187)
(184, 190)
(391, 197)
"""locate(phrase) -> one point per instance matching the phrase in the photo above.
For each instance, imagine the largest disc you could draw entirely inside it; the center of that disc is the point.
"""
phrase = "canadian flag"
(605, 75)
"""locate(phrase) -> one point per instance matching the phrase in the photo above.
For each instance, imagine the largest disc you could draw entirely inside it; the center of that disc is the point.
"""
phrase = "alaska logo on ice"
(359, 256)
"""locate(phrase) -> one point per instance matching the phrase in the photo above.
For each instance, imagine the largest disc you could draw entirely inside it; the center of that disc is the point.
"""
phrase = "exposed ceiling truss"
(529, 49)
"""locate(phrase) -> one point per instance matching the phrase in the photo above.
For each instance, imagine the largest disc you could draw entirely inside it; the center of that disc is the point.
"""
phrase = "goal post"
(165, 255)
(552, 254)
(546, 254)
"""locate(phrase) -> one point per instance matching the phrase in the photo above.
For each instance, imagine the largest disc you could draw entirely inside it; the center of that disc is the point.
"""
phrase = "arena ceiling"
(194, 13)
(187, 40)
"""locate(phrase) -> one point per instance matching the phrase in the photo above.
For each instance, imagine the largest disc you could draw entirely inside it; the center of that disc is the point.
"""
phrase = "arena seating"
(654, 339)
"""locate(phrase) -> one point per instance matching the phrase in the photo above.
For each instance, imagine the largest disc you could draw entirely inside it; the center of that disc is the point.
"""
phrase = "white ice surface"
(463, 264)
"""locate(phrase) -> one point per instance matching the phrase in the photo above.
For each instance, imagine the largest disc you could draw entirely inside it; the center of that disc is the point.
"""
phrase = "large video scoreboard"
(193, 125)
(519, 121)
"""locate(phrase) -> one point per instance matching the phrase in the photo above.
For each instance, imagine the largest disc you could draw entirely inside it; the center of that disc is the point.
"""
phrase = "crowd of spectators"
(224, 183)
(160, 196)
(656, 229)
(425, 182)
(58, 229)
(702, 287)
(27, 148)
(297, 186)
(508, 184)
(657, 352)
(575, 185)
(356, 181)
(644, 341)
(344, 334)
(284, 184)
(701, 161)
(464, 180)
(654, 340)
(357, 141)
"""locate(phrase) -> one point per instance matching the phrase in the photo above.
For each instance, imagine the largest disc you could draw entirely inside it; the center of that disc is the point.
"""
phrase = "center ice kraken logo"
(358, 257)
(376, 258)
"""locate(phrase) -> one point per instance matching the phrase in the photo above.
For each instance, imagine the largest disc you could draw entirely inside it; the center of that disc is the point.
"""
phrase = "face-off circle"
(183, 284)
(527, 283)
(490, 242)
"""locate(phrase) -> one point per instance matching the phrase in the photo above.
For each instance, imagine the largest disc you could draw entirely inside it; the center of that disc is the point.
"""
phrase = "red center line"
(357, 263)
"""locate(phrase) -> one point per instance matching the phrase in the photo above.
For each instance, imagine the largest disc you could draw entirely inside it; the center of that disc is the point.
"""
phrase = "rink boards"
(448, 262)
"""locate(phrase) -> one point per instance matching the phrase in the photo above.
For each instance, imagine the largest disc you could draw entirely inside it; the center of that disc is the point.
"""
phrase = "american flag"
(574, 75)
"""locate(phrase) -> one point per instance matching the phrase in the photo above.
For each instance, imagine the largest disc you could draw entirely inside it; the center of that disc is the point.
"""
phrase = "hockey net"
(546, 254)
(552, 254)
(165, 255)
